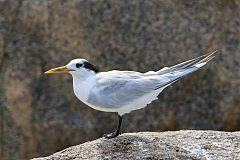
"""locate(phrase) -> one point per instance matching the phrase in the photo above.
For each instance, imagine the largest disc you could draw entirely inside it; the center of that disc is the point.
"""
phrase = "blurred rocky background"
(40, 115)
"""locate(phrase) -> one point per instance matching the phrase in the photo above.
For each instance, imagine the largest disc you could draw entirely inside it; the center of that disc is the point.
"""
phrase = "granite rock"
(127, 35)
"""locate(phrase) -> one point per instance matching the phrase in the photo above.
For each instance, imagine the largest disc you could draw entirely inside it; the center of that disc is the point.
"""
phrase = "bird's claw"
(111, 135)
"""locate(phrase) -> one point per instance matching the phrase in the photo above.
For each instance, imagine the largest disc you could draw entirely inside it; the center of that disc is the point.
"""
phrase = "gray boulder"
(197, 145)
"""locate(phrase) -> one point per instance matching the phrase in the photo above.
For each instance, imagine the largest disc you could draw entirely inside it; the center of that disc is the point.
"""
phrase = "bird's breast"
(82, 89)
(81, 92)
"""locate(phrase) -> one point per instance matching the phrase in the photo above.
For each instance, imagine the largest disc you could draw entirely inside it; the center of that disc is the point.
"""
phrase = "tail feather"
(186, 64)
(179, 71)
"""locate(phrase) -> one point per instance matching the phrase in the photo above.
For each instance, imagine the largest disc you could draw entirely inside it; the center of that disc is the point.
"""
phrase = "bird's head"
(76, 67)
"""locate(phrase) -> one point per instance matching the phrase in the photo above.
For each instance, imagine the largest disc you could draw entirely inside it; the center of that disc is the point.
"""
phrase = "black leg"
(117, 132)
(119, 124)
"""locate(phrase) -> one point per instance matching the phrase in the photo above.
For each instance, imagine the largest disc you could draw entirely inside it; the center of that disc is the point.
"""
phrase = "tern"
(124, 91)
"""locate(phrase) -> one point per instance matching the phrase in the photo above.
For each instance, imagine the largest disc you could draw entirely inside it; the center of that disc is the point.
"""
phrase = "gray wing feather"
(188, 63)
(118, 92)
(179, 71)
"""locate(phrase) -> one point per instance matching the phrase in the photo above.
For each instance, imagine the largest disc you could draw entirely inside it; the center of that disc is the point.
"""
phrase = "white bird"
(123, 91)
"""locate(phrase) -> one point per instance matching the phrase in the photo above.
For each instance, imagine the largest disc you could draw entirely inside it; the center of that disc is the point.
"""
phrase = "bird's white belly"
(140, 103)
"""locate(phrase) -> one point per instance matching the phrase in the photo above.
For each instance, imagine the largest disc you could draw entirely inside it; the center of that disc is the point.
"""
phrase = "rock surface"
(199, 145)
(143, 35)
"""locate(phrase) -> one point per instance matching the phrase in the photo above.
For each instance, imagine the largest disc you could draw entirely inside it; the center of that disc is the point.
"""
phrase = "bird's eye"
(78, 65)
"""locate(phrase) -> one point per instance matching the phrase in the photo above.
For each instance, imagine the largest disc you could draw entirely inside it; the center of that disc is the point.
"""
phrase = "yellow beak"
(62, 69)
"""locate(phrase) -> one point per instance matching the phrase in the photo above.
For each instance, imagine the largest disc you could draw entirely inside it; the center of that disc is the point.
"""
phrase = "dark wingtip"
(208, 57)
